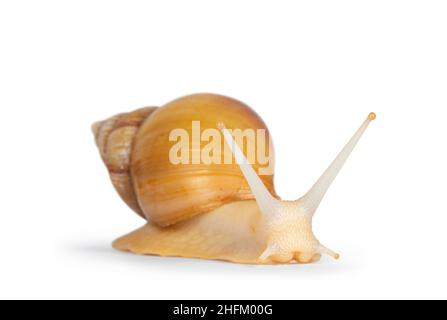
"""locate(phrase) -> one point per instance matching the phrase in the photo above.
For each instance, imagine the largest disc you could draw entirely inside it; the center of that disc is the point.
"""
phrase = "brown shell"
(114, 138)
(168, 193)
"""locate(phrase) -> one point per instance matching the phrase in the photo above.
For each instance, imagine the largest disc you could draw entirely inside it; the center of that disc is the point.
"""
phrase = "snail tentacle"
(267, 203)
(312, 199)
(329, 252)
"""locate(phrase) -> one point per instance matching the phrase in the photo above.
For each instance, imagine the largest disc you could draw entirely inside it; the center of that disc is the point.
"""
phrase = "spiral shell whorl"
(114, 138)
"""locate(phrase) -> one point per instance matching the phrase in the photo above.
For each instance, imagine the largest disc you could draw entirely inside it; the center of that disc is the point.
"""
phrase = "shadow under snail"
(221, 211)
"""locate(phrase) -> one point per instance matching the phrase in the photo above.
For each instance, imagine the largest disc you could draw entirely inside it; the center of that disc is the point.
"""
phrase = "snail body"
(198, 201)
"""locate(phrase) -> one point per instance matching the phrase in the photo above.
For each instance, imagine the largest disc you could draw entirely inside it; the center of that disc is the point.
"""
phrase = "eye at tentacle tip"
(372, 116)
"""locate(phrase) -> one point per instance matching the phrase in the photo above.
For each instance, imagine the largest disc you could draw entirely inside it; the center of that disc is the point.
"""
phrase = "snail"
(209, 209)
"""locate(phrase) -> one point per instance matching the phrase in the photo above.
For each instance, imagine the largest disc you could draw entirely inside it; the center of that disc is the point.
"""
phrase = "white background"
(312, 69)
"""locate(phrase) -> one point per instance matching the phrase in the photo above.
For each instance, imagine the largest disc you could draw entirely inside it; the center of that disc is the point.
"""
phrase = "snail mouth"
(293, 258)
(278, 252)
(302, 257)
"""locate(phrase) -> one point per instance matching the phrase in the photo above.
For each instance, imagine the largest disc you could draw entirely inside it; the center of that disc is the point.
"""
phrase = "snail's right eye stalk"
(266, 202)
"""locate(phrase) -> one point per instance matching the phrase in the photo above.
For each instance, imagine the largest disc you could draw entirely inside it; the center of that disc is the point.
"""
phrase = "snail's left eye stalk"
(313, 197)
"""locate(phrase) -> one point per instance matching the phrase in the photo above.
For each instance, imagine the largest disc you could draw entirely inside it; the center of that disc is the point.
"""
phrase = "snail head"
(289, 223)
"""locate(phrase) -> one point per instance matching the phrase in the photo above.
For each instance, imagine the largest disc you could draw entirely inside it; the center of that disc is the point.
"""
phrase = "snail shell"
(135, 148)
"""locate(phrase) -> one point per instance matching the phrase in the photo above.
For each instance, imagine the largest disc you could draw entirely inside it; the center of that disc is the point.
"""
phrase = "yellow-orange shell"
(168, 193)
